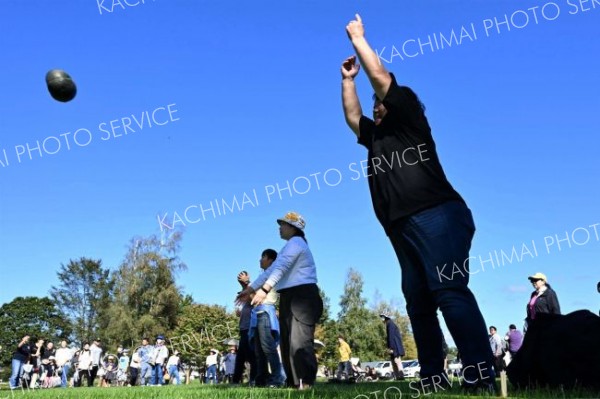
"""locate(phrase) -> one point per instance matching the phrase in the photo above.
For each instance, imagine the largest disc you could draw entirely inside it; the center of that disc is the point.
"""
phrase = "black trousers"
(133, 376)
(92, 376)
(244, 354)
(300, 309)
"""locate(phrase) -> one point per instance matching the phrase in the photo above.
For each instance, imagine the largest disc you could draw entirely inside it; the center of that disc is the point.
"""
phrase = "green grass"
(367, 390)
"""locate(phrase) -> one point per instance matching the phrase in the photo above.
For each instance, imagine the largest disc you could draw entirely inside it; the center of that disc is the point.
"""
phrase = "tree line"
(141, 299)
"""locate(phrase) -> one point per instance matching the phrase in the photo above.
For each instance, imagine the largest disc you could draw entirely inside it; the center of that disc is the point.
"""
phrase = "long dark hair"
(299, 233)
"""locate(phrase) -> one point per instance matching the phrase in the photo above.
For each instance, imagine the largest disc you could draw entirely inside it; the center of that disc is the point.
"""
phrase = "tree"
(34, 316)
(201, 327)
(146, 299)
(360, 326)
(83, 294)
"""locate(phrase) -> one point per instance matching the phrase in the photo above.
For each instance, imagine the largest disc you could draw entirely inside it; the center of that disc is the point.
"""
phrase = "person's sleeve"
(256, 284)
(402, 104)
(555, 304)
(284, 262)
(365, 128)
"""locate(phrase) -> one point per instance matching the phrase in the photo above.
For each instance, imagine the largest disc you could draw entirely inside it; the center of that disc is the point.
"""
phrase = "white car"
(454, 368)
(412, 368)
(384, 369)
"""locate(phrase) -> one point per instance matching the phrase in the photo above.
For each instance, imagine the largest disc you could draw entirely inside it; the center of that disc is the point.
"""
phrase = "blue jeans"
(266, 352)
(15, 374)
(157, 375)
(145, 373)
(433, 249)
(211, 374)
(63, 377)
(174, 373)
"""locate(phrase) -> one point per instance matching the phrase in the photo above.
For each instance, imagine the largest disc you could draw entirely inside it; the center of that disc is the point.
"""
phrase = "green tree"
(201, 327)
(34, 316)
(82, 295)
(360, 326)
(146, 299)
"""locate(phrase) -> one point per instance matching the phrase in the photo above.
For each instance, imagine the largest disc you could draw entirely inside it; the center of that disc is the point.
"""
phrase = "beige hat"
(293, 218)
(538, 276)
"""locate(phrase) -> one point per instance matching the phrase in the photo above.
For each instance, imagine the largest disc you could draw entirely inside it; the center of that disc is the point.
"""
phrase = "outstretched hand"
(355, 28)
(350, 68)
(244, 297)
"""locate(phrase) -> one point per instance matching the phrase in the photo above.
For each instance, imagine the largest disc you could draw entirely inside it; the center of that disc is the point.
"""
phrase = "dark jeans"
(265, 350)
(244, 354)
(344, 370)
(157, 375)
(433, 249)
(300, 308)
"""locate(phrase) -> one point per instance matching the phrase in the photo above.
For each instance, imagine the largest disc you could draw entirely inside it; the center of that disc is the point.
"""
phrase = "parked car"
(454, 368)
(384, 369)
(412, 369)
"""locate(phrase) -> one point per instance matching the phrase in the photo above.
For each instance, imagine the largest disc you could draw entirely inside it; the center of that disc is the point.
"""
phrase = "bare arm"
(378, 76)
(350, 102)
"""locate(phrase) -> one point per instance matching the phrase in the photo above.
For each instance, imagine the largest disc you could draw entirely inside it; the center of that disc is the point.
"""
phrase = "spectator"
(211, 366)
(145, 353)
(134, 368)
(96, 353)
(394, 345)
(123, 367)
(63, 361)
(19, 358)
(110, 372)
(514, 338)
(84, 366)
(173, 366)
(159, 357)
(229, 363)
(344, 366)
(73, 365)
(497, 347)
(543, 299)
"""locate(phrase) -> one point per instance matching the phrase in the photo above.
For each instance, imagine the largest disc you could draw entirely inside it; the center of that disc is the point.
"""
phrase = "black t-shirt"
(405, 174)
(22, 353)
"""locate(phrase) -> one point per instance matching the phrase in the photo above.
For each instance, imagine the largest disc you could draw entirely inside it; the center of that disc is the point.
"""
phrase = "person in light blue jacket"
(294, 275)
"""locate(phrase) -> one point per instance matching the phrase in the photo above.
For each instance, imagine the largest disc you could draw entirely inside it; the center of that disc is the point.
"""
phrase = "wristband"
(263, 290)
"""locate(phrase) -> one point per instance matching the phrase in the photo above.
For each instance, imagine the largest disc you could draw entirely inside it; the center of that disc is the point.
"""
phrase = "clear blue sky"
(254, 94)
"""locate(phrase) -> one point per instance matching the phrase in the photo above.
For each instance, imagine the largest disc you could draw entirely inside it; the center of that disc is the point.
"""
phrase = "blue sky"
(246, 97)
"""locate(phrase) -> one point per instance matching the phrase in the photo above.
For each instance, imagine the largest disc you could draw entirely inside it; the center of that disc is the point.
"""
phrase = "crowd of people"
(40, 365)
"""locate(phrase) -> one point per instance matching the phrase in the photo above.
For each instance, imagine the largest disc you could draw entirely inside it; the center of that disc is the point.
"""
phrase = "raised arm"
(378, 76)
(350, 102)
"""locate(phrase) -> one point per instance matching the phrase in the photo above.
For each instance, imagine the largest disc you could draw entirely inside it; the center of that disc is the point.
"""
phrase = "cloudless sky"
(253, 90)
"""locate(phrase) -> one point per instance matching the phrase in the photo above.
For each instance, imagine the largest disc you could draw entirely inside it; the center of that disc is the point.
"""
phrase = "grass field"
(368, 390)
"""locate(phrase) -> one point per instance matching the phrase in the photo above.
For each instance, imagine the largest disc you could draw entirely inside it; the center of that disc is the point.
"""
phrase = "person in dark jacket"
(394, 345)
(543, 299)
(20, 357)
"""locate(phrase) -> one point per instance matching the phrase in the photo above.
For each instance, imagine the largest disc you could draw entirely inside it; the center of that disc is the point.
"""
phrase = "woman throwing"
(294, 274)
